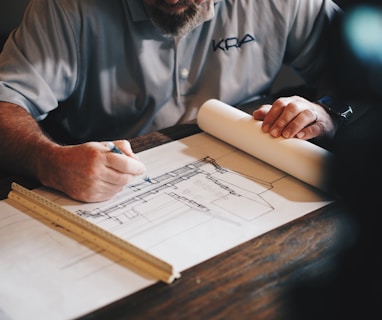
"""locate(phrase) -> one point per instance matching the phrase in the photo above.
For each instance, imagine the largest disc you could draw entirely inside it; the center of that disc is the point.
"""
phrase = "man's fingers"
(294, 117)
(261, 112)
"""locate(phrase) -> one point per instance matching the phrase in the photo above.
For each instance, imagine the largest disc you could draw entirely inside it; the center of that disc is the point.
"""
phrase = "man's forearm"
(22, 145)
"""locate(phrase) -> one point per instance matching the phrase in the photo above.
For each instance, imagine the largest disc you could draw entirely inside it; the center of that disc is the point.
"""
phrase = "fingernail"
(300, 135)
(275, 132)
(286, 134)
(266, 128)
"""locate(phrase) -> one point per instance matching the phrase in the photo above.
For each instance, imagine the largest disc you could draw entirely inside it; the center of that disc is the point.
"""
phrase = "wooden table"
(251, 281)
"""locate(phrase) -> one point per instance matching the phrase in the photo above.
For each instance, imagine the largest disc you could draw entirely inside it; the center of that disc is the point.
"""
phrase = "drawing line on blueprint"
(187, 196)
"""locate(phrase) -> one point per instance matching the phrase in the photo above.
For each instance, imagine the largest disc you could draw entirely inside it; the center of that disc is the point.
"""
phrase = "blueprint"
(201, 189)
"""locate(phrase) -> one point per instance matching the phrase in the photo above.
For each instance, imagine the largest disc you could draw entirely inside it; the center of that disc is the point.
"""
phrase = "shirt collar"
(138, 12)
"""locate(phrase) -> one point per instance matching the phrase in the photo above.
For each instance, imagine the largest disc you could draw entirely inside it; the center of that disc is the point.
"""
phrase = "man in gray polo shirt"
(112, 70)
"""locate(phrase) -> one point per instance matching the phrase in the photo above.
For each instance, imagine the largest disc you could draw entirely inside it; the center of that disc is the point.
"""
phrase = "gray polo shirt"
(111, 74)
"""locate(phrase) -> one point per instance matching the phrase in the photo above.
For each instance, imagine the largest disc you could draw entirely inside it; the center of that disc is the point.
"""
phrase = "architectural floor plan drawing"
(202, 189)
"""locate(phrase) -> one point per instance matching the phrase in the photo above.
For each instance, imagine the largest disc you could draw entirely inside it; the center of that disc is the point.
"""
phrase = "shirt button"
(184, 73)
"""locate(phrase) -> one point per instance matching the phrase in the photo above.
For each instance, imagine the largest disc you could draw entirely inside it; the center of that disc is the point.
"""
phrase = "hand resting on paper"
(295, 117)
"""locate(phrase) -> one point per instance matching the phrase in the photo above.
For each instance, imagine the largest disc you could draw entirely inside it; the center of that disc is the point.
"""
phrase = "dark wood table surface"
(254, 280)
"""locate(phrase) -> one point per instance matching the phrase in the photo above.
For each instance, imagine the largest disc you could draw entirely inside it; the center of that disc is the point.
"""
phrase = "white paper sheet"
(301, 159)
(206, 197)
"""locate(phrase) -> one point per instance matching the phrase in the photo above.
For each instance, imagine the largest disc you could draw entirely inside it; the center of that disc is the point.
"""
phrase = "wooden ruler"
(141, 259)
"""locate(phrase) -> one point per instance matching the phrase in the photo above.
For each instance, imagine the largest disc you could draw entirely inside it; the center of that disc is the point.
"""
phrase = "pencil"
(113, 148)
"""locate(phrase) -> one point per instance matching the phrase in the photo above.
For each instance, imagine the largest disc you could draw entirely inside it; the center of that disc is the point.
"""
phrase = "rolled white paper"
(299, 158)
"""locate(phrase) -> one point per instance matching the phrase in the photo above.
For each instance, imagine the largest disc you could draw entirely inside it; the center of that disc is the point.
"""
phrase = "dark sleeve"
(354, 75)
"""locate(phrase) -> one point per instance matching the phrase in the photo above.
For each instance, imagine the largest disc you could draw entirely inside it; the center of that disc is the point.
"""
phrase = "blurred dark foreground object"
(352, 288)
(357, 46)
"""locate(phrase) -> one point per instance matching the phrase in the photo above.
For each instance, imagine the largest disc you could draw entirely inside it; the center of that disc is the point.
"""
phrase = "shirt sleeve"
(308, 41)
(38, 64)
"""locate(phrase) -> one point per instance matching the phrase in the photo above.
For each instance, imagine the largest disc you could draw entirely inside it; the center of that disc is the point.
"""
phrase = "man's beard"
(175, 25)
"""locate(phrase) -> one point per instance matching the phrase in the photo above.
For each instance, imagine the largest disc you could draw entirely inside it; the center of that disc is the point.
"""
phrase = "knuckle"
(320, 126)
(281, 123)
(292, 108)
(278, 102)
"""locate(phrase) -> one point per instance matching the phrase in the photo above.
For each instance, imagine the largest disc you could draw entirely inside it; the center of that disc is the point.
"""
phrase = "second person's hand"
(295, 117)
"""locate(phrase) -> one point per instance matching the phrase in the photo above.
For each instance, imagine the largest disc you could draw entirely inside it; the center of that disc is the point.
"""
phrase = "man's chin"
(174, 21)
(174, 32)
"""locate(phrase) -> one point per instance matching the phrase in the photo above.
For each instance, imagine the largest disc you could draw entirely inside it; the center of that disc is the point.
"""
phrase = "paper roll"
(299, 158)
